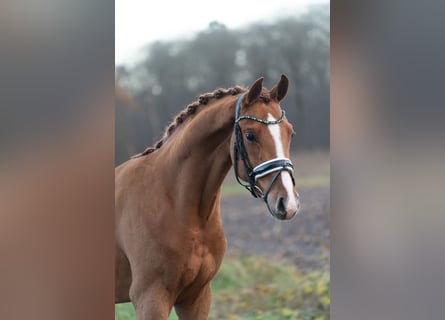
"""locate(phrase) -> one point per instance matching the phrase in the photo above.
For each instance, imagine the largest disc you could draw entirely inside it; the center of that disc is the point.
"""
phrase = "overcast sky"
(138, 22)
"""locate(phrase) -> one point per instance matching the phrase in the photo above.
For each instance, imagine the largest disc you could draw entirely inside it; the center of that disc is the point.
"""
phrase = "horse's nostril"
(280, 205)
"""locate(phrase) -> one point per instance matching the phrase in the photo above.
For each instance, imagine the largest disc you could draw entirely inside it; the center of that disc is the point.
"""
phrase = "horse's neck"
(200, 160)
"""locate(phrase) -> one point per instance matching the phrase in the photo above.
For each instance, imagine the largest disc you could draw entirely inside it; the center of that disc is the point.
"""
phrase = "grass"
(258, 288)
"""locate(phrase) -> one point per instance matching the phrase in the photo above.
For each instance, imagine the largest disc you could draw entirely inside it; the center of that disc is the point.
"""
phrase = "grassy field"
(256, 288)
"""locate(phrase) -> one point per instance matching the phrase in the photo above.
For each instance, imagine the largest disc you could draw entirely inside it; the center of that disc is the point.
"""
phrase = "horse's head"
(261, 142)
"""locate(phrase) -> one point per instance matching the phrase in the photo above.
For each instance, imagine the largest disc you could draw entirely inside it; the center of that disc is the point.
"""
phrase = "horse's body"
(169, 236)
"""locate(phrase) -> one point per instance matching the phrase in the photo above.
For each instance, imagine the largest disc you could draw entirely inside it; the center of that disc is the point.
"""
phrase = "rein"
(276, 165)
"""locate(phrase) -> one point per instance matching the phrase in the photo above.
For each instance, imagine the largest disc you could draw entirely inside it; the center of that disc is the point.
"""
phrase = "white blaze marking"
(285, 176)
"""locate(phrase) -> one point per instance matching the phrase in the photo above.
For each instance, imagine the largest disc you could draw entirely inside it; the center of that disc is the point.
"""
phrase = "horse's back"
(130, 180)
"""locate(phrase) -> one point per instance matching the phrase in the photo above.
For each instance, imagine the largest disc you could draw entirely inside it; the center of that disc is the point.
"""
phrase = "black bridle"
(276, 165)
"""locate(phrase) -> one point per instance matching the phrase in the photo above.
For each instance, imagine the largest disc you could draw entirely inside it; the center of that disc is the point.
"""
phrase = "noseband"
(276, 165)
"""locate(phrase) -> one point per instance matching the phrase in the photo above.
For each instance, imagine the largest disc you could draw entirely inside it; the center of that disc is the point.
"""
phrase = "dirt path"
(303, 241)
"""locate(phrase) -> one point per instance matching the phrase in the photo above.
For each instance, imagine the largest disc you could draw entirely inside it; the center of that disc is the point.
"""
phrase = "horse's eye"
(250, 136)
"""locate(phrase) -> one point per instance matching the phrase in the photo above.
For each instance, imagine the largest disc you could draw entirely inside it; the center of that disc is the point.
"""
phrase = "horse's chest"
(202, 263)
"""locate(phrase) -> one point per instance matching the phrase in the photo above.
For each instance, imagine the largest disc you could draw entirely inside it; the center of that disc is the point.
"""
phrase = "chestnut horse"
(169, 236)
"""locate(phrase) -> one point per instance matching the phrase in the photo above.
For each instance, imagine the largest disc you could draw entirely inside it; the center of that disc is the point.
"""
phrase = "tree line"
(174, 73)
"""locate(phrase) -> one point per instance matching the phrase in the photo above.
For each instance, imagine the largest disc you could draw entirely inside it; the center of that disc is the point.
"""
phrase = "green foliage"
(257, 288)
(124, 311)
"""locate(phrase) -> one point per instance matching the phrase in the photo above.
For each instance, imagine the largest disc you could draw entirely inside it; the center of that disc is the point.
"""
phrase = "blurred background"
(387, 178)
(169, 54)
(162, 76)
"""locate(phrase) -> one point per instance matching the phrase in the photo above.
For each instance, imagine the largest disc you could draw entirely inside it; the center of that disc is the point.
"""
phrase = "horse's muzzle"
(283, 209)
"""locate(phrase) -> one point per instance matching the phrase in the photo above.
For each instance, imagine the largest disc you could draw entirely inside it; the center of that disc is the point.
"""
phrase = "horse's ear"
(279, 91)
(255, 90)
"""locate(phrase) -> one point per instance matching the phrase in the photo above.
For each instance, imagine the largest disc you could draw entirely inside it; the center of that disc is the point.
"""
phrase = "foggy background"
(57, 257)
(169, 74)
(165, 59)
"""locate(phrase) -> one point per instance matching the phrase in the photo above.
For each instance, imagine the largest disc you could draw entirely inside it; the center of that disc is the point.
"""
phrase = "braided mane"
(191, 109)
